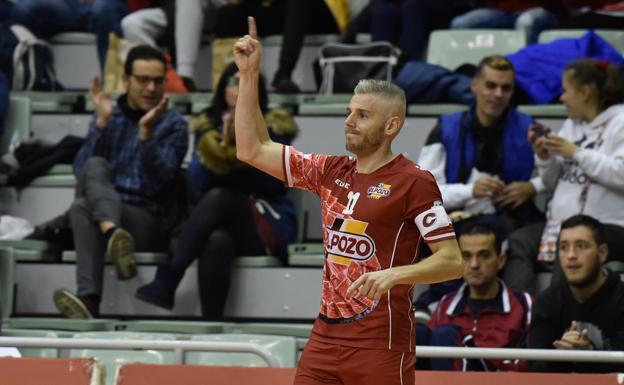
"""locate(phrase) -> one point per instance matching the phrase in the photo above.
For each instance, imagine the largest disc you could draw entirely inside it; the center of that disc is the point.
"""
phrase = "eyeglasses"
(233, 81)
(158, 81)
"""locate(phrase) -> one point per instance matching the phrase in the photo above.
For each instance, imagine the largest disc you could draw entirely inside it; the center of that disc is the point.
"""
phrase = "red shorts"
(323, 363)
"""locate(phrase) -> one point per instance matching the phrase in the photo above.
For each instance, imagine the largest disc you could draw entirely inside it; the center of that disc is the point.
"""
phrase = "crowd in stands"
(491, 162)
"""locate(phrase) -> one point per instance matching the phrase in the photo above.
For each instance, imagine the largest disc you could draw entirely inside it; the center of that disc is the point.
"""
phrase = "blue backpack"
(27, 61)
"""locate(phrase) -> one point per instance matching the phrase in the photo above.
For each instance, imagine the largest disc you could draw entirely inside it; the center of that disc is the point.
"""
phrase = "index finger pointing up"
(251, 24)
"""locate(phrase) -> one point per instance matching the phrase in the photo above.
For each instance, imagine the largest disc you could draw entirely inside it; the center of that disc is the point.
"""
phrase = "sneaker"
(120, 250)
(71, 306)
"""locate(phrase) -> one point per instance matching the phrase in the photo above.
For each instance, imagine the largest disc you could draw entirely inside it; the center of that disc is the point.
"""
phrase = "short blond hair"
(495, 62)
(387, 90)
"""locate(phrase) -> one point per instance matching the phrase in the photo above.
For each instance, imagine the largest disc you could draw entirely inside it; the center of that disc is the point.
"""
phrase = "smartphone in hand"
(539, 130)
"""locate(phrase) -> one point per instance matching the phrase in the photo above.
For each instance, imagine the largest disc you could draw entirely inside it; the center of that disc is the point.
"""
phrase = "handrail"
(522, 354)
(179, 347)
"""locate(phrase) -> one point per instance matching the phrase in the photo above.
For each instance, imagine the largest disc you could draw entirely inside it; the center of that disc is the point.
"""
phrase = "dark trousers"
(408, 23)
(302, 18)
(97, 201)
(220, 228)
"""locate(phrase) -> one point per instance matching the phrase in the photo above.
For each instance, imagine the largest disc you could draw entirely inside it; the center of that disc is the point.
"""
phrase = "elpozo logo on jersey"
(381, 190)
(347, 241)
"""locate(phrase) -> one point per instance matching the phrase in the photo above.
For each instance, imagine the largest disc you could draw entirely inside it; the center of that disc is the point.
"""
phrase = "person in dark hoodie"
(241, 210)
(126, 170)
(586, 310)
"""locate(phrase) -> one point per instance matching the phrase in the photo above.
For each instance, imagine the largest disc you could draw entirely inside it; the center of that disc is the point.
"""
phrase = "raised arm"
(253, 144)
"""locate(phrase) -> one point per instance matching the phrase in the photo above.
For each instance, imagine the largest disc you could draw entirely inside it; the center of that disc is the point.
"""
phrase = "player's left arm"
(444, 264)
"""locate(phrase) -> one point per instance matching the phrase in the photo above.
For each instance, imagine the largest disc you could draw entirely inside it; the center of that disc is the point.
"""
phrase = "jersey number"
(353, 197)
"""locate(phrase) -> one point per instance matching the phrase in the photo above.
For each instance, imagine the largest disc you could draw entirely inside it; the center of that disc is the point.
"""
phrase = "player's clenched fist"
(247, 50)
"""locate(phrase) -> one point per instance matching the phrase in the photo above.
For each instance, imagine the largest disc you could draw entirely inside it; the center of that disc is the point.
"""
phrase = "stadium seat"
(16, 124)
(73, 38)
(305, 254)
(279, 329)
(112, 359)
(179, 328)
(317, 39)
(63, 327)
(7, 282)
(282, 347)
(612, 36)
(51, 101)
(452, 48)
(141, 258)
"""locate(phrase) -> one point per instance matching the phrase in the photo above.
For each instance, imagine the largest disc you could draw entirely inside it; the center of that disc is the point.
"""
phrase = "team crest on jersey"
(381, 190)
(347, 241)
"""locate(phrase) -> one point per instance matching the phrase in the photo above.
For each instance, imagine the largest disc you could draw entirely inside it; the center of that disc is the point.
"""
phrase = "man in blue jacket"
(125, 171)
(482, 160)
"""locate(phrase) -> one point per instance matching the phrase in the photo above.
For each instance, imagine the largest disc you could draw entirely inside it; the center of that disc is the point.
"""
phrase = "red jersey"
(370, 222)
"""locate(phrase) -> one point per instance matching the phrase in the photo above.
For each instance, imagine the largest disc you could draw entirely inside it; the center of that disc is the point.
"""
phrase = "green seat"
(545, 111)
(141, 258)
(306, 254)
(73, 38)
(282, 347)
(17, 125)
(434, 109)
(112, 359)
(62, 326)
(612, 36)
(200, 101)
(50, 101)
(7, 281)
(317, 39)
(615, 266)
(452, 48)
(30, 250)
(175, 327)
(54, 180)
(278, 329)
(33, 352)
(256, 261)
(61, 169)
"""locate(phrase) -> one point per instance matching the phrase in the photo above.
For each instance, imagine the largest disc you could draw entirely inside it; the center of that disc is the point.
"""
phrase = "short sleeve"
(425, 208)
(303, 171)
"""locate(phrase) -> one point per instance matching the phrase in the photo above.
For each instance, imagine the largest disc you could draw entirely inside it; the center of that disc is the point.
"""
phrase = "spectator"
(483, 163)
(232, 18)
(243, 211)
(586, 311)
(529, 16)
(593, 14)
(483, 312)
(46, 18)
(190, 20)
(584, 165)
(301, 18)
(125, 169)
(6, 8)
(481, 158)
(407, 23)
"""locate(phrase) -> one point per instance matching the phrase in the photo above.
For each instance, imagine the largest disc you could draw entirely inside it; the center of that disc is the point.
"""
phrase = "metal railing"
(179, 347)
(521, 354)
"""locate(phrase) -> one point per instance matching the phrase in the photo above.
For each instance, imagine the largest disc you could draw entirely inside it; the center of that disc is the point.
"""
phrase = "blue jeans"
(48, 17)
(532, 21)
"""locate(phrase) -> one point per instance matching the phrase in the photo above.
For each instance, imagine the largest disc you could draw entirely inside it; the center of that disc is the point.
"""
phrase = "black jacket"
(556, 308)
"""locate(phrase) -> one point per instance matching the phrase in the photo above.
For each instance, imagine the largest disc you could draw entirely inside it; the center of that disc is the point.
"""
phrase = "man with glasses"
(125, 170)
